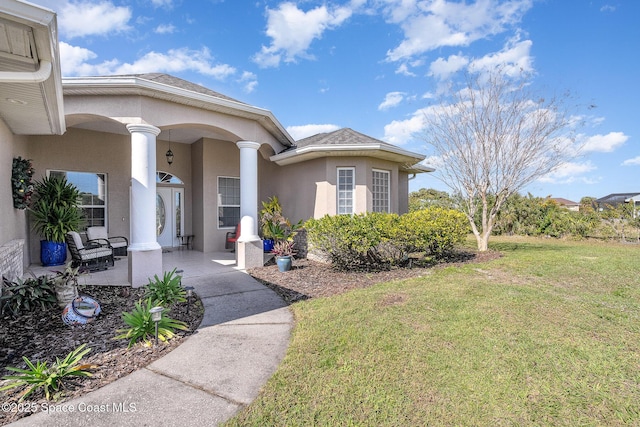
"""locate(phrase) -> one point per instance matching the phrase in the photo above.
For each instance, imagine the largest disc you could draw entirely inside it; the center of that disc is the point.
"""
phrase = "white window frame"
(221, 205)
(352, 190)
(104, 206)
(376, 194)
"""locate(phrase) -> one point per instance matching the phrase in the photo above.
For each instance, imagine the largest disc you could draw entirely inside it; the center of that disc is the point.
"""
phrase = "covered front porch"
(197, 267)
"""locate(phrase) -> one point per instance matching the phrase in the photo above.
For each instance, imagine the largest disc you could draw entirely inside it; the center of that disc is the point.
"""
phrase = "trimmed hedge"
(379, 241)
(434, 231)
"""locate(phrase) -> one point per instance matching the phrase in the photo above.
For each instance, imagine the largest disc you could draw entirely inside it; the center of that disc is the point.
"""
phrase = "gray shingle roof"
(344, 136)
(170, 80)
(616, 198)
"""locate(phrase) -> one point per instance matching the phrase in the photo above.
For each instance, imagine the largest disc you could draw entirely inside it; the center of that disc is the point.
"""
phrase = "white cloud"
(404, 70)
(250, 81)
(303, 131)
(569, 172)
(400, 132)
(75, 59)
(514, 59)
(431, 25)
(632, 162)
(292, 31)
(165, 29)
(604, 143)
(442, 68)
(86, 18)
(162, 3)
(392, 99)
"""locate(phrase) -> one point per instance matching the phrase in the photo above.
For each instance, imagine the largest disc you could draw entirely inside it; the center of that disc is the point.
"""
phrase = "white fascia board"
(134, 82)
(27, 13)
(289, 156)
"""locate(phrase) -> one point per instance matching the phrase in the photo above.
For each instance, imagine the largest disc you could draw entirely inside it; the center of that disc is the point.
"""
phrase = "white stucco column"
(145, 254)
(248, 191)
(249, 252)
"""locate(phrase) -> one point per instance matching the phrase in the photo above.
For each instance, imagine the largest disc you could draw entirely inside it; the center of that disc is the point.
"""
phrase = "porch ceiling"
(30, 83)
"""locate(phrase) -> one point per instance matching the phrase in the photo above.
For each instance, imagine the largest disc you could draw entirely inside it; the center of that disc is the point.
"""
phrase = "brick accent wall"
(11, 256)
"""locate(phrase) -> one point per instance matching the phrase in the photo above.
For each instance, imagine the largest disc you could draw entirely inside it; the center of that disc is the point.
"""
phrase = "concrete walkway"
(217, 371)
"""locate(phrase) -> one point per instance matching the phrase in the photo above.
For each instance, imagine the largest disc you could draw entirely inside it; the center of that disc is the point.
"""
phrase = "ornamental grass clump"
(168, 290)
(49, 378)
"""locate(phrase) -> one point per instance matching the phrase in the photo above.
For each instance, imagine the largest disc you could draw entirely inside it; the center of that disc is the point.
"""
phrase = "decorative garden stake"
(189, 290)
(156, 315)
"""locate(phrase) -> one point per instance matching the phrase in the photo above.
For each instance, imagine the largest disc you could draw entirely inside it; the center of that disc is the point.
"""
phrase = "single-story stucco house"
(109, 135)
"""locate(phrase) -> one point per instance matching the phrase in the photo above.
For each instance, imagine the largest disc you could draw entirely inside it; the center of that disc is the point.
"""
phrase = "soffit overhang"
(407, 160)
(30, 78)
(135, 86)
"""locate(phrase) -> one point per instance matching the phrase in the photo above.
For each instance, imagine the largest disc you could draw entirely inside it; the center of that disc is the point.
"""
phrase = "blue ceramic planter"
(267, 245)
(52, 253)
(284, 263)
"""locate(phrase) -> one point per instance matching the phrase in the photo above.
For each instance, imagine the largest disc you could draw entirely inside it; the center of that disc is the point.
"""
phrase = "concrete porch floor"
(195, 265)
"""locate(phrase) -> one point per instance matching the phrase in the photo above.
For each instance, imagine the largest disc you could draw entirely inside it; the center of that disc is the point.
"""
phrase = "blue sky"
(375, 65)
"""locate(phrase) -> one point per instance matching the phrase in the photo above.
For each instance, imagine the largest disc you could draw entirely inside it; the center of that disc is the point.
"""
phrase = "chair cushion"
(87, 254)
(94, 233)
(77, 239)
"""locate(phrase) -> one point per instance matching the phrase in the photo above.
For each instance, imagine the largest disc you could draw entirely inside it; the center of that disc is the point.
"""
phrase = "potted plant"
(270, 219)
(55, 212)
(284, 251)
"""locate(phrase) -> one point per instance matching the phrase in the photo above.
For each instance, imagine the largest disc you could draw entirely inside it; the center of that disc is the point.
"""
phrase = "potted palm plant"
(55, 212)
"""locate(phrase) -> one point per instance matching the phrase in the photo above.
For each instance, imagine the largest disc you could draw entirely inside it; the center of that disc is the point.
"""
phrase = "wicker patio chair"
(92, 255)
(118, 243)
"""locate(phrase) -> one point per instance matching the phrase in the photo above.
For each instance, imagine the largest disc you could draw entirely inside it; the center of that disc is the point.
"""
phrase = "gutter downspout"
(39, 76)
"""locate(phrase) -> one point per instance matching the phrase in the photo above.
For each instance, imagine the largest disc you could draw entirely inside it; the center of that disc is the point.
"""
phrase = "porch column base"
(143, 265)
(249, 254)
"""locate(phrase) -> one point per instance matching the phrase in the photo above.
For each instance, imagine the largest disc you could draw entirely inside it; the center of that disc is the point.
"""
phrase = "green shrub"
(166, 291)
(141, 327)
(48, 378)
(433, 231)
(378, 241)
(27, 295)
(358, 242)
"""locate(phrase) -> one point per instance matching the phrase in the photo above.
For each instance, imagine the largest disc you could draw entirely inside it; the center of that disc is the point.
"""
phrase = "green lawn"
(547, 335)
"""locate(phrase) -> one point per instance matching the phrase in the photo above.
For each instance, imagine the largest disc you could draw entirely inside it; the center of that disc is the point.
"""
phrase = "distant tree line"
(542, 216)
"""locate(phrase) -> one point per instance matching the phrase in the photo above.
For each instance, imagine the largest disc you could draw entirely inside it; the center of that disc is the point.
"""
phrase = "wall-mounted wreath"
(21, 182)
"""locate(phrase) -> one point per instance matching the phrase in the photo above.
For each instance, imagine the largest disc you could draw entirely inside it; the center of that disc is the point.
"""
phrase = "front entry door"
(169, 224)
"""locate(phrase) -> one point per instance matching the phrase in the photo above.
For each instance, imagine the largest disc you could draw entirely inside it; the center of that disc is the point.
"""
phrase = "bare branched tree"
(493, 138)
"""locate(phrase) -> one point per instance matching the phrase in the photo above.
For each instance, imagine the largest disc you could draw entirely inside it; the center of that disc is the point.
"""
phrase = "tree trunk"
(483, 241)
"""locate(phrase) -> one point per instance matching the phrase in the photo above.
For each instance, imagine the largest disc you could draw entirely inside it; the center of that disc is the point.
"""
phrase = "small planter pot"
(284, 263)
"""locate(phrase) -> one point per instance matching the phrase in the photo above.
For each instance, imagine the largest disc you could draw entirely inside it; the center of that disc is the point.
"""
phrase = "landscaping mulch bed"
(311, 279)
(43, 336)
